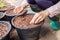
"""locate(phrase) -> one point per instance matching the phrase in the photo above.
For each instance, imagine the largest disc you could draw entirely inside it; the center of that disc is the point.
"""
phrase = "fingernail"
(31, 22)
(35, 22)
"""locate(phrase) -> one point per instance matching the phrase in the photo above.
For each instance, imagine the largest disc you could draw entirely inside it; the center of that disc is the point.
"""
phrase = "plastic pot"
(7, 6)
(2, 14)
(28, 33)
(7, 14)
(6, 34)
(2, 10)
(8, 17)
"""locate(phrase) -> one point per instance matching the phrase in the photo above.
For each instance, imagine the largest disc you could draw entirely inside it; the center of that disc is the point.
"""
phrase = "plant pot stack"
(20, 22)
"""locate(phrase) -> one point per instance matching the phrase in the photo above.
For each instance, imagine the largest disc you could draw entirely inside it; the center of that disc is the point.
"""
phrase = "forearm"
(54, 10)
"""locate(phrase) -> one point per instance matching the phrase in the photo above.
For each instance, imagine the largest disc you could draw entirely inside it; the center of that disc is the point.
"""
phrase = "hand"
(38, 17)
(19, 9)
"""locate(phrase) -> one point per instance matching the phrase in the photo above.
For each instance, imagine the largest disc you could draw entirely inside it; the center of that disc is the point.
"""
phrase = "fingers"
(34, 18)
(18, 10)
(38, 20)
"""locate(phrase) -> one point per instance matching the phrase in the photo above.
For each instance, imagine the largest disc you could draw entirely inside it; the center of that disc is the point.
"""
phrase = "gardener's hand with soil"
(20, 9)
(51, 12)
(38, 17)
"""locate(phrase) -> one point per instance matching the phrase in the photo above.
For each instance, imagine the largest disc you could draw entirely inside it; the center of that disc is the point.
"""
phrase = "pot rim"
(16, 14)
(6, 23)
(23, 27)
(3, 14)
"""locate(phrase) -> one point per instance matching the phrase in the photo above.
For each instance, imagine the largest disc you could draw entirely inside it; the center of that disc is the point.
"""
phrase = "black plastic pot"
(3, 14)
(2, 10)
(28, 33)
(6, 35)
(16, 14)
(8, 17)
(5, 9)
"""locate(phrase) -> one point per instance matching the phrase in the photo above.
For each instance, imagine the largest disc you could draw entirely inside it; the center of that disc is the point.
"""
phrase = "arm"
(54, 10)
(21, 8)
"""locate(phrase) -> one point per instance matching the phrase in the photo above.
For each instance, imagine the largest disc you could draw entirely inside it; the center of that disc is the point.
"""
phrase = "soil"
(3, 29)
(23, 21)
(10, 12)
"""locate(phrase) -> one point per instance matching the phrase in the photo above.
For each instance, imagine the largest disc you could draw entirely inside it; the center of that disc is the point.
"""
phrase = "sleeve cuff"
(54, 10)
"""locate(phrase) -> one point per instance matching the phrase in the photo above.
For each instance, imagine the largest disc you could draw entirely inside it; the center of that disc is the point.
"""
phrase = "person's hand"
(20, 9)
(38, 17)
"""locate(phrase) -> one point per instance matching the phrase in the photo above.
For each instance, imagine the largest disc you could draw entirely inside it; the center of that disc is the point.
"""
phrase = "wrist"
(46, 12)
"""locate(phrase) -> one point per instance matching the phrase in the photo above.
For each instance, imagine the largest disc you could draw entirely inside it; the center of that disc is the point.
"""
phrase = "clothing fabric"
(53, 6)
(54, 10)
(44, 4)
